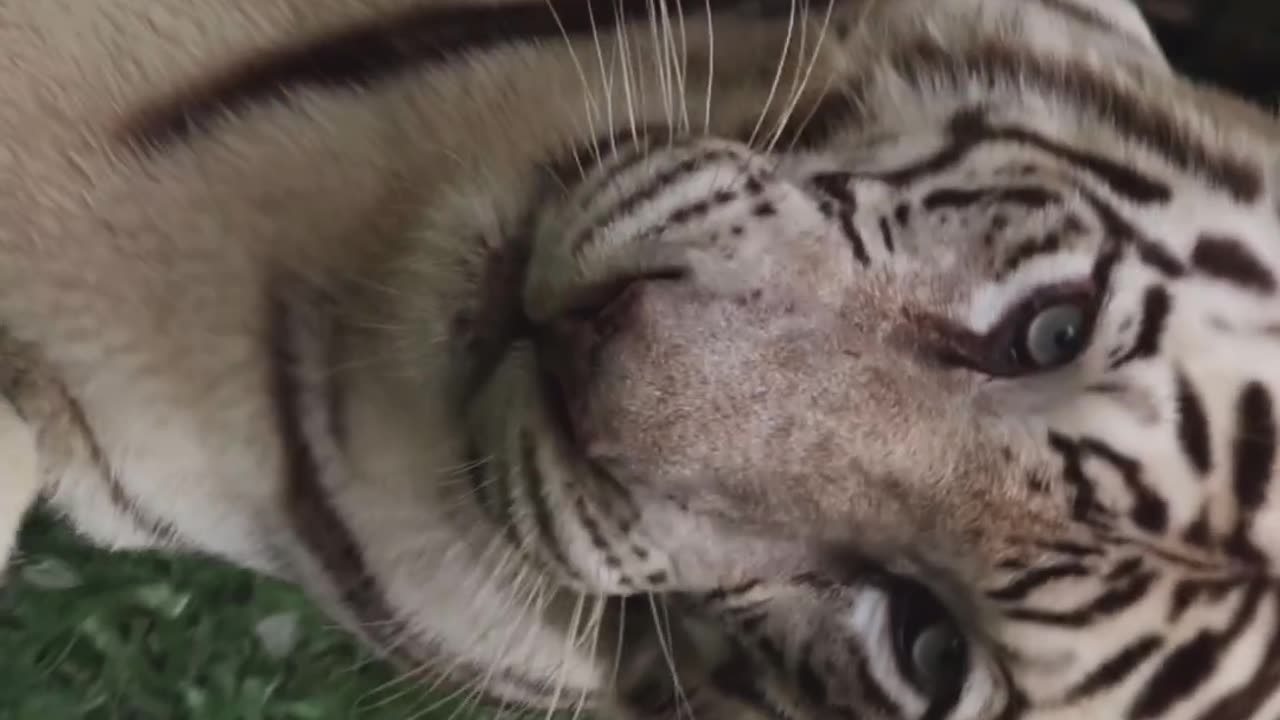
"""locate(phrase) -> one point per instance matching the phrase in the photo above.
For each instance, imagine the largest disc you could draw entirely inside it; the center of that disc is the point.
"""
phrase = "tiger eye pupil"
(938, 655)
(1055, 335)
(929, 647)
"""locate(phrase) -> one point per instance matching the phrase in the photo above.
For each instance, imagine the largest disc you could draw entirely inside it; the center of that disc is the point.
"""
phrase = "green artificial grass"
(89, 635)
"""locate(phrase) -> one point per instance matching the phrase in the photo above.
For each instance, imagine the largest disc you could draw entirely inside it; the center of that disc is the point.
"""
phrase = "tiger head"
(961, 406)
(925, 373)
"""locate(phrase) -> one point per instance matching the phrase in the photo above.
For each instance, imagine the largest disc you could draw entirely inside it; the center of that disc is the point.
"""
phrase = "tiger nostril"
(596, 300)
(571, 347)
(592, 299)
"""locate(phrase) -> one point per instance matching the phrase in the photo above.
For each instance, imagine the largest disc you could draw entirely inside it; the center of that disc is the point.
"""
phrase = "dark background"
(1232, 43)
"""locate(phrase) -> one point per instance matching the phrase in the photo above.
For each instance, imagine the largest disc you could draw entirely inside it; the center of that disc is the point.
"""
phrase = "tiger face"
(935, 414)
(756, 360)
(918, 436)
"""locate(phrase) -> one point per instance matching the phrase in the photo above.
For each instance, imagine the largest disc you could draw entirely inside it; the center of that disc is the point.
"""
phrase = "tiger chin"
(723, 359)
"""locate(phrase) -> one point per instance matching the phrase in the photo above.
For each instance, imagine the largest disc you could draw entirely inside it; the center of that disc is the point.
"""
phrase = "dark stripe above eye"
(1156, 306)
(970, 129)
(1032, 580)
(1112, 602)
(1029, 195)
(1001, 63)
(374, 50)
(1230, 260)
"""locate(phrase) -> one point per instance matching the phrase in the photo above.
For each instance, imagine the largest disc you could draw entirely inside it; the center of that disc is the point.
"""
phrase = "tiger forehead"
(1137, 116)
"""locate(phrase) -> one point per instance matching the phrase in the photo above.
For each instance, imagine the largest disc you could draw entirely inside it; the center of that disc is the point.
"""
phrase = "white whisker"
(592, 108)
(777, 77)
(668, 654)
(711, 68)
(804, 83)
(607, 78)
(624, 47)
(687, 126)
(659, 58)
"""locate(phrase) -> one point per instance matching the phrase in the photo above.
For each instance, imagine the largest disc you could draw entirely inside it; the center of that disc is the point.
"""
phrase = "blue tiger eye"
(1055, 335)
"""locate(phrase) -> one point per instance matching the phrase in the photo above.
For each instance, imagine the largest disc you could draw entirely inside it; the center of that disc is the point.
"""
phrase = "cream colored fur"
(142, 289)
(140, 281)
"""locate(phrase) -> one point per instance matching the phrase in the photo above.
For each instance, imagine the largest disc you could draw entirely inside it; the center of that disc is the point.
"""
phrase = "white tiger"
(917, 355)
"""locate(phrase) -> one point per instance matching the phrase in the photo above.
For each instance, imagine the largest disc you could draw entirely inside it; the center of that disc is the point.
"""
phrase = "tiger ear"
(19, 477)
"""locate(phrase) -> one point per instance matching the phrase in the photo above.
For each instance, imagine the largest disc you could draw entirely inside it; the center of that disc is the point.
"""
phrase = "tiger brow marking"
(1028, 250)
(1109, 604)
(1229, 259)
(369, 52)
(971, 129)
(1032, 196)
(1145, 124)
(1156, 307)
(1033, 580)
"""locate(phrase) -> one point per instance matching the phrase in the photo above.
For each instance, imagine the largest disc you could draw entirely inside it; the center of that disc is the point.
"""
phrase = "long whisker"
(624, 46)
(592, 107)
(597, 622)
(777, 77)
(440, 671)
(675, 68)
(659, 58)
(711, 68)
(668, 653)
(503, 648)
(478, 686)
(571, 642)
(684, 65)
(607, 79)
(798, 69)
(804, 83)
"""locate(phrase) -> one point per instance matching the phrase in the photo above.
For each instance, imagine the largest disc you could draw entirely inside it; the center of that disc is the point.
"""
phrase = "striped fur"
(513, 331)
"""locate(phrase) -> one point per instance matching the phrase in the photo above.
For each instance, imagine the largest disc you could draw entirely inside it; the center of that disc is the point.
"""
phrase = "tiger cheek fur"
(915, 359)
